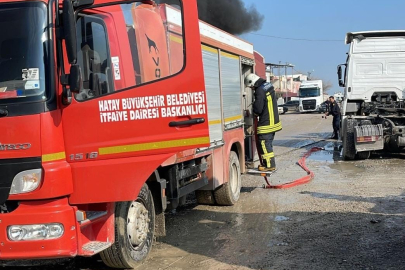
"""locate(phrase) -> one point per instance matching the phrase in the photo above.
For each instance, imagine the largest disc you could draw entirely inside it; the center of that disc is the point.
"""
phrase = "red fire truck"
(112, 113)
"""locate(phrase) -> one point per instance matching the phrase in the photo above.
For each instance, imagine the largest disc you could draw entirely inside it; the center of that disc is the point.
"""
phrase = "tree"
(327, 85)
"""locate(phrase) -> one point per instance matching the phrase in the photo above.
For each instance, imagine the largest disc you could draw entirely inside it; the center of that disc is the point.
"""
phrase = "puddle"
(281, 218)
(302, 144)
(323, 156)
(330, 154)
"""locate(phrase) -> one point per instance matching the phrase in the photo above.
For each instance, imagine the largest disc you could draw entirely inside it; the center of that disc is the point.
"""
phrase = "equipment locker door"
(213, 87)
(231, 90)
(124, 113)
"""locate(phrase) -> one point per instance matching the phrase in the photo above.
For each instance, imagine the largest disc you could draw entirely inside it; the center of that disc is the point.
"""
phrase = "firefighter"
(334, 110)
(265, 107)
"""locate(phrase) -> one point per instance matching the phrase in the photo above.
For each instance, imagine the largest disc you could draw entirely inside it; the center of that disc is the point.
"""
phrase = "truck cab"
(373, 102)
(311, 96)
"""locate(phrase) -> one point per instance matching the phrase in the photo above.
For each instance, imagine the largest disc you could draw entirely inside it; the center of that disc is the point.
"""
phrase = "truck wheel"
(363, 155)
(228, 194)
(205, 197)
(134, 232)
(349, 150)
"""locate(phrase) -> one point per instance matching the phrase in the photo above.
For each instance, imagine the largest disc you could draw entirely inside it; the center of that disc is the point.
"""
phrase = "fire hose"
(302, 163)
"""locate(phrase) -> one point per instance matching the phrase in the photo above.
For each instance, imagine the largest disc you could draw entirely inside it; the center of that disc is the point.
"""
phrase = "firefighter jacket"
(265, 106)
(334, 109)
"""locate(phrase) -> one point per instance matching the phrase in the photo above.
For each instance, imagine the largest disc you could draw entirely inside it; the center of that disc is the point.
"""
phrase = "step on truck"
(373, 108)
(112, 113)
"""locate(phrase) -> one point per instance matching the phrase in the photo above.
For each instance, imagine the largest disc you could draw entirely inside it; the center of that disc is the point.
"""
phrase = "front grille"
(309, 104)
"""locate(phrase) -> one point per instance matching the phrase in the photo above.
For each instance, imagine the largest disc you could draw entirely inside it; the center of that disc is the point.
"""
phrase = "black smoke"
(230, 15)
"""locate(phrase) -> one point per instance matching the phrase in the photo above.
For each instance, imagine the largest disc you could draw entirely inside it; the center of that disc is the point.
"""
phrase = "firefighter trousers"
(336, 125)
(266, 149)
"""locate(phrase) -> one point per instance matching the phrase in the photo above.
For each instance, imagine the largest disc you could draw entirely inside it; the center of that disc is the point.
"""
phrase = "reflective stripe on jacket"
(265, 106)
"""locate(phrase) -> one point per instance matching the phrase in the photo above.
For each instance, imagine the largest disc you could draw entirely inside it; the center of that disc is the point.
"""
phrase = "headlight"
(35, 232)
(26, 181)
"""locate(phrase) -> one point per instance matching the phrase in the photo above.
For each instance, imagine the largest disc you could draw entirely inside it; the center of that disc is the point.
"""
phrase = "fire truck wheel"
(228, 194)
(205, 197)
(134, 232)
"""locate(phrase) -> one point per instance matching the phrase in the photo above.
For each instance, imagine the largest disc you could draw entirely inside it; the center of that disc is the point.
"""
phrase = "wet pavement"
(351, 216)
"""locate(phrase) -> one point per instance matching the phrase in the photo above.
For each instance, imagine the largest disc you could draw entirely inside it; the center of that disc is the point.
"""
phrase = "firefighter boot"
(269, 163)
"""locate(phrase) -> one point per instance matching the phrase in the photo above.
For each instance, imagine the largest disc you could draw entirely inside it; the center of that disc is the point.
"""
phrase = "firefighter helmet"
(251, 79)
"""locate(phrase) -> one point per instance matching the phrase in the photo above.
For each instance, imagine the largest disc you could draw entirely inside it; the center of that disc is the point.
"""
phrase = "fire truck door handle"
(195, 121)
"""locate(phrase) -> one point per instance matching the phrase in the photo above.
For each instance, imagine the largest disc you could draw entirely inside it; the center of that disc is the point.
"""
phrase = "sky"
(319, 20)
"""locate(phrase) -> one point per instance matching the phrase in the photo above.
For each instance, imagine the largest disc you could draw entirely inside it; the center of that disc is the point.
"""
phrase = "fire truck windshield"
(22, 44)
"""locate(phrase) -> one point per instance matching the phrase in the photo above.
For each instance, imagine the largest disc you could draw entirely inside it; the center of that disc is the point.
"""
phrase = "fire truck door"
(120, 113)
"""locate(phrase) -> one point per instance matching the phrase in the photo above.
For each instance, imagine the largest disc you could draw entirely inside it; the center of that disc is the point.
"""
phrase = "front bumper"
(311, 110)
(40, 212)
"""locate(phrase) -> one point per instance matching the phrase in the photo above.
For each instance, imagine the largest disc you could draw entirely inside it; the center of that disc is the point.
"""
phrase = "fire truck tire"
(228, 194)
(205, 197)
(134, 232)
(349, 148)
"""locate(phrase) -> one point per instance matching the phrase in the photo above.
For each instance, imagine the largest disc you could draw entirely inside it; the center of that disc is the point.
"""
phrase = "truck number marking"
(81, 156)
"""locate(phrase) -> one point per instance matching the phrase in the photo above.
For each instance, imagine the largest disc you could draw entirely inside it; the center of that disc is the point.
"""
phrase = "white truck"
(373, 108)
(311, 96)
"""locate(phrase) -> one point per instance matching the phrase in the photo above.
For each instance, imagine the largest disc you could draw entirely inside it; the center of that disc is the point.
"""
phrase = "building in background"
(286, 86)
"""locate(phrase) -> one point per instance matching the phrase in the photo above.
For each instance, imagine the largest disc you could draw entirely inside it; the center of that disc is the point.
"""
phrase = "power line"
(298, 39)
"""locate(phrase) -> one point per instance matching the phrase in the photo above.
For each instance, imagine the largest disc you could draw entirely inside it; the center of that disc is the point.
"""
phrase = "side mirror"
(339, 72)
(69, 30)
(75, 79)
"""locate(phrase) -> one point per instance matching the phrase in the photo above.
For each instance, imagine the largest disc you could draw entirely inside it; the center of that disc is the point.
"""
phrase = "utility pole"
(286, 87)
(309, 74)
(292, 77)
(279, 77)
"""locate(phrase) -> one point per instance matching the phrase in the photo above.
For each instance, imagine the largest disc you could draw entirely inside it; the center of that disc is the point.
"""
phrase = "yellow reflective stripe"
(228, 55)
(233, 118)
(269, 129)
(268, 165)
(209, 49)
(267, 159)
(176, 39)
(270, 107)
(269, 126)
(53, 157)
(269, 155)
(264, 147)
(152, 146)
(214, 122)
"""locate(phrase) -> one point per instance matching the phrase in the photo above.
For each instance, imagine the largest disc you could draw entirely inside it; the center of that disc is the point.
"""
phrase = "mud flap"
(369, 138)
